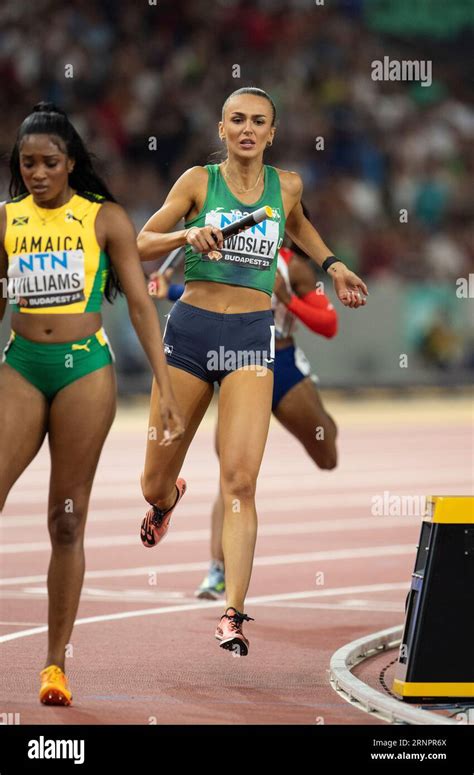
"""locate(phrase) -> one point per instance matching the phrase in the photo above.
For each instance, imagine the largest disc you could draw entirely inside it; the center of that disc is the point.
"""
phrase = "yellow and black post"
(436, 660)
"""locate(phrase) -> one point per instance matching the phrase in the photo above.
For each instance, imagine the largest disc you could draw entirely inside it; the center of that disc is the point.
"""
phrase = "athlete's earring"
(269, 144)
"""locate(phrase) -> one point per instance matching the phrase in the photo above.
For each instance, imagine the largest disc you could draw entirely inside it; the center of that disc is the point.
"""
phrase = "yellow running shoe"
(54, 687)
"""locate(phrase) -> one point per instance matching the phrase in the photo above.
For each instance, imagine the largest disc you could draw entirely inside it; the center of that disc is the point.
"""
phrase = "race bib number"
(255, 247)
(51, 279)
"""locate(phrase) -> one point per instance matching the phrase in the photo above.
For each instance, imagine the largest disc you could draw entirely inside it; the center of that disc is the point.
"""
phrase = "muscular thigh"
(80, 418)
(301, 410)
(244, 416)
(23, 424)
(193, 396)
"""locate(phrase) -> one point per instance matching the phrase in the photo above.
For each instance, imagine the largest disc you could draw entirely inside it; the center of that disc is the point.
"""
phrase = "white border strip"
(201, 604)
(351, 689)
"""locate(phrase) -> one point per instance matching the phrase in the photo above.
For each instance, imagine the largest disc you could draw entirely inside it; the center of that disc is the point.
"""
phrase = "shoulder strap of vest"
(17, 198)
(91, 196)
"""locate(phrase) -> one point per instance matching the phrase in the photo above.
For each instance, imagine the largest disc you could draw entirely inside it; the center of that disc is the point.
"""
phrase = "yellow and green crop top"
(55, 264)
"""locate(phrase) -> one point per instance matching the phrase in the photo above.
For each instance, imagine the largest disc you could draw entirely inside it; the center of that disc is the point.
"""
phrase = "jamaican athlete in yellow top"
(55, 264)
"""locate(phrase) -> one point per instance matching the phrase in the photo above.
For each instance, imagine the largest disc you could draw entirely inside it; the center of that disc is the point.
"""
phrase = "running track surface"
(327, 571)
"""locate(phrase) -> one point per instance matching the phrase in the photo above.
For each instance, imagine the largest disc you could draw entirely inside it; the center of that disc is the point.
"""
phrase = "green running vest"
(249, 258)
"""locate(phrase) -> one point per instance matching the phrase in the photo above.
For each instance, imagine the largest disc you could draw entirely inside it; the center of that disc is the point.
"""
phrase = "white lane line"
(275, 504)
(201, 605)
(392, 550)
(132, 596)
(117, 465)
(280, 506)
(278, 483)
(203, 534)
(109, 477)
(371, 607)
(22, 624)
(104, 595)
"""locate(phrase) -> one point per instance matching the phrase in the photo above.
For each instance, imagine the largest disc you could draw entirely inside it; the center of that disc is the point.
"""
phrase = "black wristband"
(329, 261)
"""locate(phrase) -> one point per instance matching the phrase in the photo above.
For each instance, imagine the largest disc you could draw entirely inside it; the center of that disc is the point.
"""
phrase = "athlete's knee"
(66, 523)
(328, 460)
(333, 426)
(325, 449)
(238, 484)
(5, 487)
(324, 453)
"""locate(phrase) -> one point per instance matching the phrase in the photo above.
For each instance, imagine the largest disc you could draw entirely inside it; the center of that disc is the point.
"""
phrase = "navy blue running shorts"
(291, 367)
(211, 345)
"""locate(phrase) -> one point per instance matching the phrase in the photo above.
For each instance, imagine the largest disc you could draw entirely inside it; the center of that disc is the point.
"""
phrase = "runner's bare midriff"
(56, 328)
(220, 297)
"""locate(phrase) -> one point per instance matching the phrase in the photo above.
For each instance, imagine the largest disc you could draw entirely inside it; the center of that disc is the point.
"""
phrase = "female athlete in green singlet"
(64, 244)
(222, 327)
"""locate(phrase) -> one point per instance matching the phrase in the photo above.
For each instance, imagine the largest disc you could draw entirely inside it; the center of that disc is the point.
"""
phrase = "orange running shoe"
(229, 632)
(155, 525)
(54, 687)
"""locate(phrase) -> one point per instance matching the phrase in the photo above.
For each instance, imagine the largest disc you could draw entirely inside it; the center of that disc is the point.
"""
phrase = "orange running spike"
(54, 687)
(155, 525)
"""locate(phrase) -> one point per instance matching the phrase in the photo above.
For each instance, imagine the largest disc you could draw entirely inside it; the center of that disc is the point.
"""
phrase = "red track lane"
(327, 572)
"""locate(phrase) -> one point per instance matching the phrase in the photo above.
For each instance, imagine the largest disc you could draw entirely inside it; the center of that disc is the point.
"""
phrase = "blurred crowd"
(388, 166)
